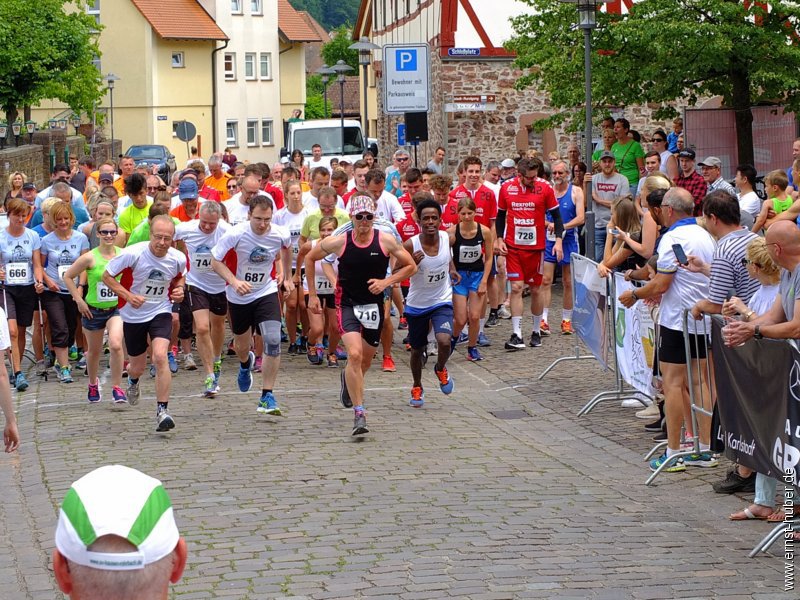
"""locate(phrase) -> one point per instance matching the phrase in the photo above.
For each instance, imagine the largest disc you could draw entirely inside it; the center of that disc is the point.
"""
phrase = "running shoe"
(66, 375)
(333, 363)
(446, 383)
(152, 370)
(217, 371)
(81, 364)
(417, 397)
(302, 347)
(341, 353)
(403, 324)
(491, 321)
(503, 312)
(463, 337)
(20, 382)
(515, 343)
(483, 341)
(360, 424)
(314, 355)
(433, 348)
(473, 355)
(188, 363)
(94, 392)
(245, 377)
(545, 327)
(703, 459)
(133, 392)
(676, 465)
(566, 327)
(259, 364)
(125, 369)
(211, 386)
(388, 364)
(163, 421)
(268, 405)
(173, 364)
(292, 350)
(344, 395)
(120, 399)
(73, 353)
(536, 339)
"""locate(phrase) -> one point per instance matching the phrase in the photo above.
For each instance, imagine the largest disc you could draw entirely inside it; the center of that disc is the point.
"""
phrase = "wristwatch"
(633, 295)
(757, 333)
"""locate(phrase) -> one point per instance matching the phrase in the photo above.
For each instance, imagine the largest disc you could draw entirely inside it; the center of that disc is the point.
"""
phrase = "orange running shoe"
(388, 364)
(566, 327)
(417, 397)
(545, 327)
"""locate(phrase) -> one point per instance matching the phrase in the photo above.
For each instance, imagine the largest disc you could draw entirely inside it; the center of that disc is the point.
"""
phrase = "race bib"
(323, 285)
(525, 236)
(551, 235)
(61, 270)
(469, 254)
(435, 276)
(201, 263)
(105, 293)
(18, 273)
(155, 290)
(256, 276)
(368, 315)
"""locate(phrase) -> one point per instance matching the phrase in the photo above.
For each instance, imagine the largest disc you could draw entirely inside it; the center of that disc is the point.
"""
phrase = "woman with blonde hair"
(618, 256)
(15, 182)
(99, 207)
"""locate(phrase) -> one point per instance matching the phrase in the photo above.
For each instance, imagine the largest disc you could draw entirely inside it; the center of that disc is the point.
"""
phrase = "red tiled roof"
(179, 20)
(293, 26)
(324, 36)
(352, 108)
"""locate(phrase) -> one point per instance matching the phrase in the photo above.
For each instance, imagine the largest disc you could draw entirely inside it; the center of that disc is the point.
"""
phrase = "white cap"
(285, 160)
(508, 163)
(116, 500)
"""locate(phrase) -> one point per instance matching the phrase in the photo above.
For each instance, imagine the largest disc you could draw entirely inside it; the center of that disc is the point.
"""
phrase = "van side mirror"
(373, 147)
(284, 152)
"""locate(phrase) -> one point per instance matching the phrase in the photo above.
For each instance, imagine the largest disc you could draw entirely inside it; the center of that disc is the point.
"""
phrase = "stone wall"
(27, 159)
(492, 135)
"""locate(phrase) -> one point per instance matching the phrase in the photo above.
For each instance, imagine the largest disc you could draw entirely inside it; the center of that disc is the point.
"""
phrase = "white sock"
(482, 321)
(537, 323)
(705, 447)
(516, 325)
(670, 452)
(566, 315)
(545, 313)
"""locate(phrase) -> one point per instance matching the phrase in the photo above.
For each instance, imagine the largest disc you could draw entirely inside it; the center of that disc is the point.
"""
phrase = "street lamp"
(340, 68)
(3, 134)
(16, 129)
(325, 73)
(111, 79)
(52, 123)
(365, 48)
(30, 127)
(76, 122)
(62, 123)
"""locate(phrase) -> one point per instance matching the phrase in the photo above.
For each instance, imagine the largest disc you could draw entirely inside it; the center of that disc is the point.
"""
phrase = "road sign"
(406, 78)
(185, 131)
(401, 134)
(480, 103)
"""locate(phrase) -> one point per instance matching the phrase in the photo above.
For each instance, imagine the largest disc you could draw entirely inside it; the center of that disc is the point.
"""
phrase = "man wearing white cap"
(711, 168)
(117, 538)
(508, 170)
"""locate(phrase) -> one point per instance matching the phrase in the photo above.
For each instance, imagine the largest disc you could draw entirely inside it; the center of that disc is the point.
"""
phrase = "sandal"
(749, 515)
(776, 517)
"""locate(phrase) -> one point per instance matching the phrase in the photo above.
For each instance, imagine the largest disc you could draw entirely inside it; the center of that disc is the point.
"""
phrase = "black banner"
(758, 398)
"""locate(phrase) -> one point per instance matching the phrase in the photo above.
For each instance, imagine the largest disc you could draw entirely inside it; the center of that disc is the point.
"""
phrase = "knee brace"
(271, 332)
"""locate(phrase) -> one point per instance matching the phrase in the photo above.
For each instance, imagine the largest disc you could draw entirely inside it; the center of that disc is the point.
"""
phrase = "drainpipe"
(214, 95)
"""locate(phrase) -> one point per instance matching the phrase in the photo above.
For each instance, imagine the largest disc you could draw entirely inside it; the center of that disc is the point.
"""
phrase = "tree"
(338, 49)
(663, 51)
(47, 53)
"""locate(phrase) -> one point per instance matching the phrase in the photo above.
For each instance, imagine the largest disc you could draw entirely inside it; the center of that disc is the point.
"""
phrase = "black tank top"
(357, 266)
(468, 253)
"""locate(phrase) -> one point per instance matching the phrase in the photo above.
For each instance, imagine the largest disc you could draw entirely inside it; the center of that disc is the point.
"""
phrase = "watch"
(633, 295)
(757, 333)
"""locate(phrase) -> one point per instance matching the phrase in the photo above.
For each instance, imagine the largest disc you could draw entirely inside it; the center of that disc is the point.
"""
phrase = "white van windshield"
(330, 139)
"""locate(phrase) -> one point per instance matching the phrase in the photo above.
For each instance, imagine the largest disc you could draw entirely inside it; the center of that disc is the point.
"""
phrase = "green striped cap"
(116, 500)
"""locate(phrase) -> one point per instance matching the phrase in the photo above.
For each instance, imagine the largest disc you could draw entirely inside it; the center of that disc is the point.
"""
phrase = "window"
(93, 9)
(177, 60)
(250, 65)
(230, 66)
(252, 132)
(266, 132)
(232, 134)
(266, 65)
(255, 7)
(236, 7)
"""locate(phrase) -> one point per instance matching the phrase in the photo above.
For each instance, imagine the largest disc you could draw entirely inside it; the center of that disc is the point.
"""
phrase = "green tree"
(47, 53)
(330, 13)
(338, 49)
(663, 51)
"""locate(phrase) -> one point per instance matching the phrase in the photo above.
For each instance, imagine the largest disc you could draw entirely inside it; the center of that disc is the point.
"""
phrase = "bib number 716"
(367, 315)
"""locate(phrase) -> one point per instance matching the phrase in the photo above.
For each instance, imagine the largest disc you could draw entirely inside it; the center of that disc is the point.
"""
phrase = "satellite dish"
(185, 131)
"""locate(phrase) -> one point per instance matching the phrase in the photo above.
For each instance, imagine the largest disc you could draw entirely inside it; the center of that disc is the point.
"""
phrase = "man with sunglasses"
(402, 161)
(238, 207)
(364, 255)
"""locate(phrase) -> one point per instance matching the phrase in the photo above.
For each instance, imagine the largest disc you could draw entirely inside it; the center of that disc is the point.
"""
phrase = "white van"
(328, 134)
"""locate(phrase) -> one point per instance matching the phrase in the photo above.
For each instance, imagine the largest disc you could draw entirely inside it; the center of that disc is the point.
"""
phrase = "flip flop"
(748, 515)
(776, 517)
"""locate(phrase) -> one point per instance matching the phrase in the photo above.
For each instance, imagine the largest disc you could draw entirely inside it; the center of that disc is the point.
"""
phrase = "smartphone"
(680, 254)
(614, 231)
(731, 293)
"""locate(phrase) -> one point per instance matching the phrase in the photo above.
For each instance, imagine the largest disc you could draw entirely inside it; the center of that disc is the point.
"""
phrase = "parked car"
(154, 155)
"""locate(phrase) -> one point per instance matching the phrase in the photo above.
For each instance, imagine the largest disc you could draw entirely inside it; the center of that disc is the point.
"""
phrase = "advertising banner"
(591, 302)
(634, 337)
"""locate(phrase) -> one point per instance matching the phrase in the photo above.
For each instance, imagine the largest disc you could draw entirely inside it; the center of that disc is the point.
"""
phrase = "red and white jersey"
(407, 228)
(485, 203)
(450, 213)
(525, 211)
(405, 202)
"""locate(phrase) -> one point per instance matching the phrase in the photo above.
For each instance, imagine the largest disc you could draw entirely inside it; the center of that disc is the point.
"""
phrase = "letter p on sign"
(406, 60)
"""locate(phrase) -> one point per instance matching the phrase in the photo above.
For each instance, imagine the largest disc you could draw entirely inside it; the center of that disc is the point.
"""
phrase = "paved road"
(447, 501)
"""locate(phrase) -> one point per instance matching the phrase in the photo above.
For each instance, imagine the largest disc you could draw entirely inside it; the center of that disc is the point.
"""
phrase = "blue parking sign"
(406, 59)
(401, 134)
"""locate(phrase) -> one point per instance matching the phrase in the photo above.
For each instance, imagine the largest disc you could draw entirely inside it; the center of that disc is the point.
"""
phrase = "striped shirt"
(728, 272)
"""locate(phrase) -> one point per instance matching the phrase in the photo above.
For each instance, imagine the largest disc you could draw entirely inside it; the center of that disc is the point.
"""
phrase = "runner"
(363, 262)
(473, 250)
(22, 274)
(158, 280)
(206, 290)
(99, 311)
(253, 293)
(520, 230)
(61, 248)
(429, 304)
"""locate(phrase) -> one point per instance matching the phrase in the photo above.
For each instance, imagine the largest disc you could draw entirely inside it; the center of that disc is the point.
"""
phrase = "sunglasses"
(362, 216)
(747, 261)
(107, 232)
(402, 159)
(659, 140)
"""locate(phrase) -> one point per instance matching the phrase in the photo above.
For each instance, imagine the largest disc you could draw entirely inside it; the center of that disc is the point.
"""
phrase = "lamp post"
(76, 122)
(111, 79)
(365, 48)
(30, 127)
(325, 73)
(341, 68)
(62, 123)
(52, 123)
(16, 129)
(3, 134)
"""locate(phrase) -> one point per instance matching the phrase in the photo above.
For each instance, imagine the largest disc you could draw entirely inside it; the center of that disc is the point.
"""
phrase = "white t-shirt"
(323, 162)
(388, 207)
(322, 284)
(238, 212)
(77, 197)
(255, 255)
(294, 223)
(687, 288)
(16, 254)
(312, 204)
(199, 246)
(750, 203)
(60, 254)
(151, 278)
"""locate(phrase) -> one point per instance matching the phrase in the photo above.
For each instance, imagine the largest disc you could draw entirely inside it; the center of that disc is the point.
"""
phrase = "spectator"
(677, 132)
(711, 168)
(668, 164)
(690, 180)
(573, 155)
(745, 181)
(436, 164)
(790, 171)
(229, 158)
(779, 205)
(652, 162)
(606, 186)
(15, 182)
(629, 153)
(578, 173)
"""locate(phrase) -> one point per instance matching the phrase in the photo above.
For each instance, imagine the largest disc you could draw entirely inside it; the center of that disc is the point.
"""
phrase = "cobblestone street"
(446, 501)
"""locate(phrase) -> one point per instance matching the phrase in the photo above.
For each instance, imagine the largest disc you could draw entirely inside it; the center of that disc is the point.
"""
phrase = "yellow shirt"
(310, 229)
(132, 216)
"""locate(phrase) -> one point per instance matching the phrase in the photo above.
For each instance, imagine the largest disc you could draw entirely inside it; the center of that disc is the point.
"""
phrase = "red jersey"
(407, 228)
(209, 193)
(347, 196)
(450, 213)
(485, 203)
(276, 193)
(526, 208)
(405, 202)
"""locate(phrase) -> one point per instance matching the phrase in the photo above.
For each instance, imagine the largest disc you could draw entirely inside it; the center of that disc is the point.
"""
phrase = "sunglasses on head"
(362, 216)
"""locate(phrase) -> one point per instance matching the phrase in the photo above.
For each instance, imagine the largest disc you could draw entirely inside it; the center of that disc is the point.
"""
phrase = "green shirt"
(310, 230)
(627, 165)
(94, 278)
(132, 216)
(142, 232)
(781, 205)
